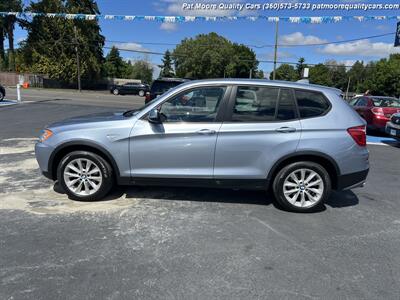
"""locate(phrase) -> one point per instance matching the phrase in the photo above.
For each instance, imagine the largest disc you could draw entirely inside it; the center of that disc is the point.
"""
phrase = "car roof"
(169, 79)
(281, 83)
(382, 97)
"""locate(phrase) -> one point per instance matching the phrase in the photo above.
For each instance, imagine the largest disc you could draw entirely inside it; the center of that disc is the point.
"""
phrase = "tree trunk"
(10, 33)
(2, 53)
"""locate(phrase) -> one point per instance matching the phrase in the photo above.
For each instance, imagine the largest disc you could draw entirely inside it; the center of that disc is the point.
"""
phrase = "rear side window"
(255, 104)
(311, 104)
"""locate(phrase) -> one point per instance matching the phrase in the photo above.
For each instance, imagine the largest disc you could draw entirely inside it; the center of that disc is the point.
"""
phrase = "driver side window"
(196, 105)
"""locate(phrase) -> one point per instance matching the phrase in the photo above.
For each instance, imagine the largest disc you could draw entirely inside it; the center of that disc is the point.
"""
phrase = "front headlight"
(45, 135)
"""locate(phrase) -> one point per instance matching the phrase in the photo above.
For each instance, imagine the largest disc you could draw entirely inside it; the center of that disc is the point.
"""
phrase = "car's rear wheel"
(302, 186)
(116, 91)
(1, 96)
(141, 93)
(85, 176)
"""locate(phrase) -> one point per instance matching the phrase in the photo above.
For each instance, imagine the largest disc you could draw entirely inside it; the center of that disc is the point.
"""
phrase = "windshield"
(385, 102)
(133, 112)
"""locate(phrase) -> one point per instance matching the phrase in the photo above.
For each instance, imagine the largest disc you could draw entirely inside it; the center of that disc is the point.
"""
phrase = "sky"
(138, 34)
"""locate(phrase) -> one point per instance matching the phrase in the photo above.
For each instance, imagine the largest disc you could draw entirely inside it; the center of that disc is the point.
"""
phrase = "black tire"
(141, 93)
(284, 173)
(105, 171)
(116, 92)
(1, 96)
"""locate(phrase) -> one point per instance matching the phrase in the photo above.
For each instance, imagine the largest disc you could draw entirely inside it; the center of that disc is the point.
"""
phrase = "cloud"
(361, 48)
(383, 27)
(281, 55)
(298, 38)
(130, 46)
(347, 62)
(169, 27)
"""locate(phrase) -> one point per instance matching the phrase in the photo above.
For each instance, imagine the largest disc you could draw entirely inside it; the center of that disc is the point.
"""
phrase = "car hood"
(92, 118)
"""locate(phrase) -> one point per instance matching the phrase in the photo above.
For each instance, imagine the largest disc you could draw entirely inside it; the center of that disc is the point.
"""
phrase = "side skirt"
(246, 184)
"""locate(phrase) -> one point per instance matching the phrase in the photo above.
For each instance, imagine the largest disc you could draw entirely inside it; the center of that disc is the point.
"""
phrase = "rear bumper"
(393, 130)
(379, 122)
(352, 180)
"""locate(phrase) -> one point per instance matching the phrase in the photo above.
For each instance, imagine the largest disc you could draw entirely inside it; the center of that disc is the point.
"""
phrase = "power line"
(242, 59)
(262, 46)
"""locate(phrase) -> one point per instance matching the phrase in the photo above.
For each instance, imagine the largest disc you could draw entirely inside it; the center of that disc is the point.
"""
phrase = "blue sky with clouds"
(138, 33)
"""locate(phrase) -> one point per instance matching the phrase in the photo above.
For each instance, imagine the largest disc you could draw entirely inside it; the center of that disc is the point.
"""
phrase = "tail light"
(377, 111)
(359, 135)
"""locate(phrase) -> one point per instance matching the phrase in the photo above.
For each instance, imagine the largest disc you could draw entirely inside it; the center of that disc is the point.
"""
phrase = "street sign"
(397, 40)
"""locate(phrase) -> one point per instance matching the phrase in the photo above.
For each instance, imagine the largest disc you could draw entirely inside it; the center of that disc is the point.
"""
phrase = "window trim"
(220, 110)
(232, 100)
(312, 91)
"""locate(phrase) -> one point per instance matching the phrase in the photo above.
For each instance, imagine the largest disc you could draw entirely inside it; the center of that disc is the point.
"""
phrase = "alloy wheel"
(83, 177)
(303, 188)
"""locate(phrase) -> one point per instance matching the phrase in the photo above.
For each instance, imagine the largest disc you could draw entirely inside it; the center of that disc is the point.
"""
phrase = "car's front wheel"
(1, 96)
(141, 93)
(116, 92)
(302, 186)
(85, 176)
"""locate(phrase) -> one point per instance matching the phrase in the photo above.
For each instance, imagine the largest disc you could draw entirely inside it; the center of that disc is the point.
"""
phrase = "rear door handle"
(286, 129)
(206, 131)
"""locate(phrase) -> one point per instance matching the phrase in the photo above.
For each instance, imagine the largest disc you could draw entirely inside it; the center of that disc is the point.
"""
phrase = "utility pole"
(251, 73)
(348, 87)
(276, 49)
(78, 65)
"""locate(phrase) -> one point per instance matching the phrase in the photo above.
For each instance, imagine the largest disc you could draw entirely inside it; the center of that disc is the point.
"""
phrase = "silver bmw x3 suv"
(300, 141)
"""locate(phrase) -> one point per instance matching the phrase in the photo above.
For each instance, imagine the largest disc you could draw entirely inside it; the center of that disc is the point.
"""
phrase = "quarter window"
(196, 105)
(311, 104)
(255, 104)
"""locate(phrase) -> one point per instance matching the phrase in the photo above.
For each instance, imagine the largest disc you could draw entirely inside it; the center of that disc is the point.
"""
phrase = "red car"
(376, 110)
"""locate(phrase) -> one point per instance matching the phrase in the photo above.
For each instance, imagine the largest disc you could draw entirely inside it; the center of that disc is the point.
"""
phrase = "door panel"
(249, 151)
(183, 145)
(262, 128)
(173, 149)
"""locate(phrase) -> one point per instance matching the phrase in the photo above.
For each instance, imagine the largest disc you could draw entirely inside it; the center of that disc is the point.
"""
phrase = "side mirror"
(154, 116)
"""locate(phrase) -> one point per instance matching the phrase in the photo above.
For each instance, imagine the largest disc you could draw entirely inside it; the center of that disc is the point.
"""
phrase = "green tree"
(338, 75)
(320, 74)
(383, 77)
(166, 66)
(242, 61)
(50, 45)
(7, 26)
(142, 70)
(285, 72)
(213, 56)
(300, 67)
(357, 75)
(114, 65)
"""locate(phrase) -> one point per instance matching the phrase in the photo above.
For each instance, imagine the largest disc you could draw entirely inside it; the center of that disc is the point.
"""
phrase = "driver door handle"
(206, 131)
(286, 129)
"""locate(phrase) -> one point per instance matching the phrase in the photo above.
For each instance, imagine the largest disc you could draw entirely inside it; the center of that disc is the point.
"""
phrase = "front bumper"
(393, 130)
(43, 153)
(352, 180)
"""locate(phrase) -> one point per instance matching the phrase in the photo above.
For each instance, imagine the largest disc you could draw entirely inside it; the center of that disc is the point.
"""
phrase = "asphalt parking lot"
(182, 243)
